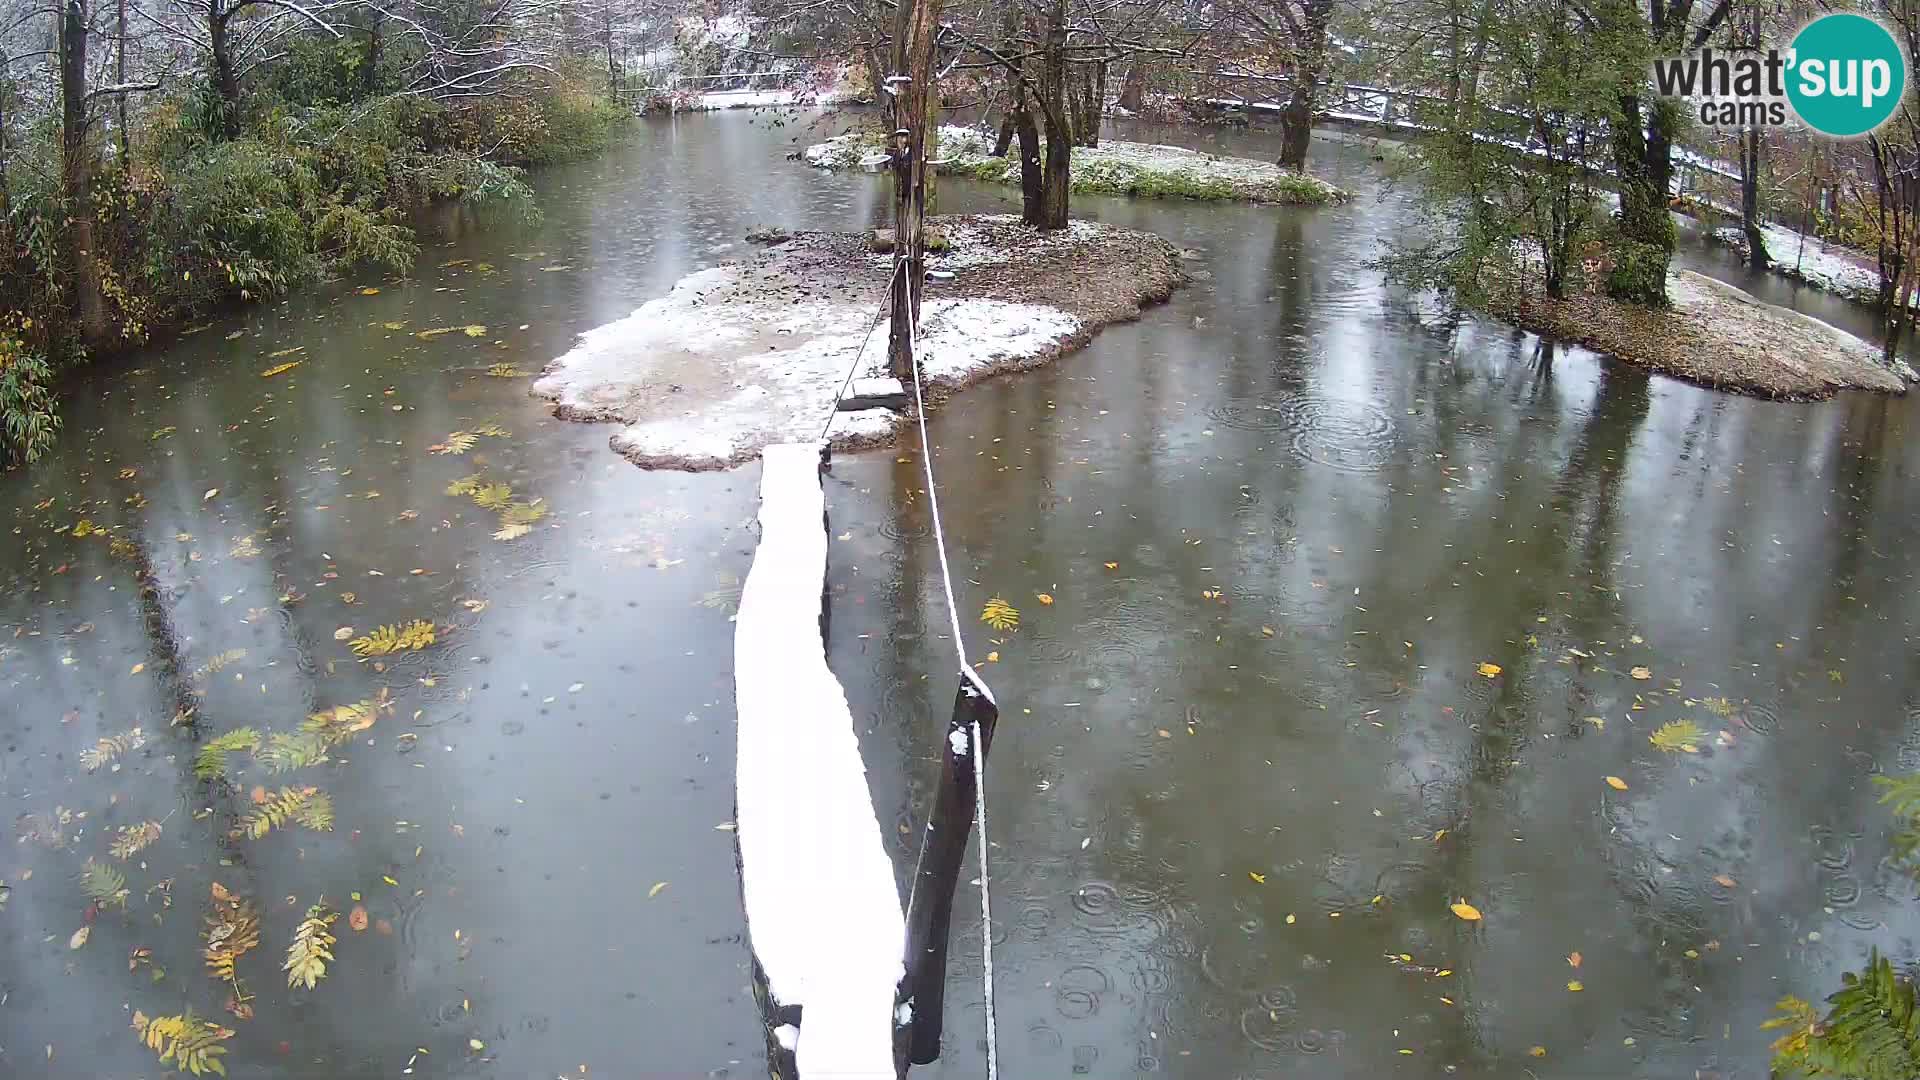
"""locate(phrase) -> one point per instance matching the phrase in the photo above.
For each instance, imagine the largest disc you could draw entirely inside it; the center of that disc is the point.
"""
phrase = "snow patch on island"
(707, 385)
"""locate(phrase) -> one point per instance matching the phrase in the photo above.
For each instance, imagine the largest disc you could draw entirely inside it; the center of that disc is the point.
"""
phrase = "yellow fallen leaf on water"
(1573, 959)
(476, 1045)
(1489, 670)
(474, 331)
(1266, 631)
(1258, 878)
(1289, 918)
(1640, 673)
(1616, 783)
(993, 657)
(655, 891)
(79, 937)
(389, 881)
(1725, 880)
(343, 633)
(1574, 985)
(1466, 911)
(137, 669)
(1538, 1051)
(1443, 973)
(1044, 598)
(1113, 566)
(279, 368)
(369, 291)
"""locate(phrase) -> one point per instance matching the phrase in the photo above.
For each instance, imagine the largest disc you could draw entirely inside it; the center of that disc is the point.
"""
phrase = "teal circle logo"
(1847, 75)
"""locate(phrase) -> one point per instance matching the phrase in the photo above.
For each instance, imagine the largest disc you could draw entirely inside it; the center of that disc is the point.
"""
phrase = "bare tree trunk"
(376, 51)
(1296, 120)
(1005, 139)
(1054, 189)
(120, 76)
(226, 81)
(76, 172)
(1097, 102)
(913, 40)
(1133, 89)
(1031, 177)
(1750, 143)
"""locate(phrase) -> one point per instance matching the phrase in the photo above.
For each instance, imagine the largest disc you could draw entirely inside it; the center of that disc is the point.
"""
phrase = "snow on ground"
(1112, 167)
(707, 385)
(823, 914)
(763, 99)
(1830, 268)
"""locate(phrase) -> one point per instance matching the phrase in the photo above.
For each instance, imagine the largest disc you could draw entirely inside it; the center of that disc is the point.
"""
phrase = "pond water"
(1248, 757)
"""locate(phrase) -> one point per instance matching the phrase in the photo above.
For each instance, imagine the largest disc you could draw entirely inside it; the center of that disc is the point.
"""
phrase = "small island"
(1113, 168)
(762, 350)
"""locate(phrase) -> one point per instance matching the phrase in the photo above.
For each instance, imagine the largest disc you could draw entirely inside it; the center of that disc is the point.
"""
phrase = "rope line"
(976, 746)
(833, 407)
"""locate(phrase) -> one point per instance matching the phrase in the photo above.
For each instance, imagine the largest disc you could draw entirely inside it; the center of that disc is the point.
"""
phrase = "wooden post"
(915, 24)
(937, 875)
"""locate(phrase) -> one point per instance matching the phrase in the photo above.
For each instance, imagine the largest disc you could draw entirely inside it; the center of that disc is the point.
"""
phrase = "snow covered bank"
(1829, 268)
(1112, 168)
(823, 916)
(756, 352)
(1715, 335)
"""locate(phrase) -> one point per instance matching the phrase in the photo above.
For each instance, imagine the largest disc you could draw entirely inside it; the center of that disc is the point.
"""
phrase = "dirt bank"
(1715, 335)
(757, 351)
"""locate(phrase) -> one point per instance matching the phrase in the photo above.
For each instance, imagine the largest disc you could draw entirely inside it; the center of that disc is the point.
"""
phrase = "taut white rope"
(975, 745)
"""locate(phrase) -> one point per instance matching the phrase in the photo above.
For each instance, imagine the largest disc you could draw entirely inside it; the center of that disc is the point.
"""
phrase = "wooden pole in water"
(937, 875)
(915, 24)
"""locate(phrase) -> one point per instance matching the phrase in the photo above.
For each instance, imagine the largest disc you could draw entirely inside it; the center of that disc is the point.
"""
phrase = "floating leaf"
(505, 371)
(1616, 783)
(1258, 879)
(407, 637)
(280, 369)
(111, 747)
(1538, 1051)
(104, 885)
(458, 442)
(655, 891)
(492, 496)
(1465, 911)
(287, 752)
(357, 918)
(1045, 599)
(130, 839)
(1640, 673)
(1574, 985)
(474, 331)
(210, 761)
(186, 1042)
(309, 807)
(1725, 881)
(466, 485)
(219, 663)
(79, 937)
(232, 930)
(369, 291)
(1489, 670)
(1573, 959)
(1000, 615)
(1677, 737)
(341, 722)
(312, 948)
(492, 430)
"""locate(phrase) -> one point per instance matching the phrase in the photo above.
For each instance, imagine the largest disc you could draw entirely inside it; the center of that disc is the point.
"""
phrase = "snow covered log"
(823, 915)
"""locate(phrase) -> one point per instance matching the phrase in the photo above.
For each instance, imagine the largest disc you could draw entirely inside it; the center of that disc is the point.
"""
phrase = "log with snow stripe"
(823, 914)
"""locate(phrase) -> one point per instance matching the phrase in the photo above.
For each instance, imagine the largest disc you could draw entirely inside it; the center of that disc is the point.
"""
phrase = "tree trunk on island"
(1030, 174)
(913, 40)
(1054, 180)
(1643, 165)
